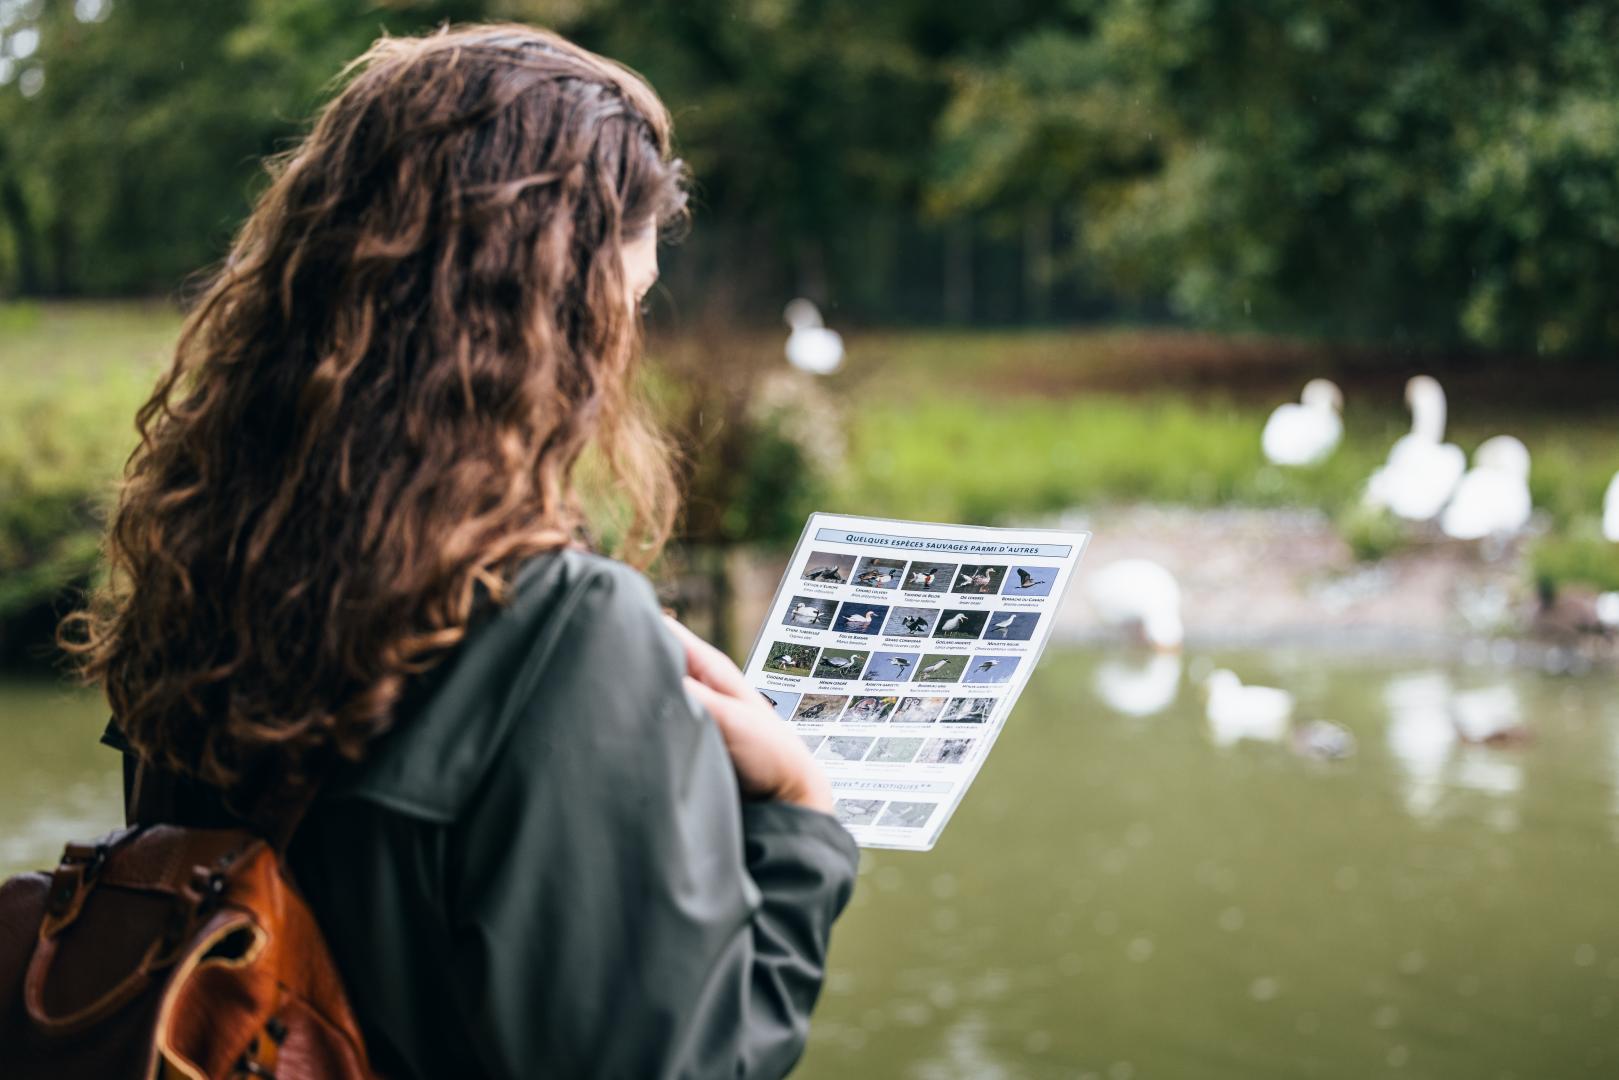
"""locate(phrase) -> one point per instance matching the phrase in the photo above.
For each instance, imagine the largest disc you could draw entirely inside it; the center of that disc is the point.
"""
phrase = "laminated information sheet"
(897, 648)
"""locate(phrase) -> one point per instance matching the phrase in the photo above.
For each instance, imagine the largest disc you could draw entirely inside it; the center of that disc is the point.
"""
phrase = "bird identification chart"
(896, 649)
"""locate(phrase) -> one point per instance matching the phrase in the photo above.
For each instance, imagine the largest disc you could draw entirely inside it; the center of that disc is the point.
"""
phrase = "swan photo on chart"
(812, 612)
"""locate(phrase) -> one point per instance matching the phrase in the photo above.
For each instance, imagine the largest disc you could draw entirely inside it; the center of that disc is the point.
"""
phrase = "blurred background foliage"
(1430, 172)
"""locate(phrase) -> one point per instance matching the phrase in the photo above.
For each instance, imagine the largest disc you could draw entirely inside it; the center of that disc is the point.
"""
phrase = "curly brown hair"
(379, 401)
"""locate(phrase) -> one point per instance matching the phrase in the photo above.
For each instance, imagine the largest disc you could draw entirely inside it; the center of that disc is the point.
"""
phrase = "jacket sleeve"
(615, 909)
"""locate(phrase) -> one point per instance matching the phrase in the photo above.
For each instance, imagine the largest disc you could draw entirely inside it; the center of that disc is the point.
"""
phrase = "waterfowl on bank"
(1493, 498)
(811, 346)
(1422, 469)
(1140, 596)
(1305, 432)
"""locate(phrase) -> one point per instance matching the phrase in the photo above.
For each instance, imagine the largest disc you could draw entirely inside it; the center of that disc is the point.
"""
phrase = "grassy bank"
(968, 426)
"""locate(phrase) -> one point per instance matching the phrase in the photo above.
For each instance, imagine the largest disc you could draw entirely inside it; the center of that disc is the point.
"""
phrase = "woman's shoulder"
(568, 614)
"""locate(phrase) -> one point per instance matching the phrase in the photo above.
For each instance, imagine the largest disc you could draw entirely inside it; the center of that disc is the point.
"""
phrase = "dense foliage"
(1431, 172)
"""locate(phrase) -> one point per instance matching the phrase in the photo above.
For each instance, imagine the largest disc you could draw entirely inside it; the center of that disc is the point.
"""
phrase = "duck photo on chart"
(879, 573)
(859, 617)
(828, 567)
(965, 625)
(1011, 626)
(911, 622)
(978, 579)
(990, 669)
(790, 658)
(929, 577)
(810, 612)
(840, 664)
(1030, 581)
(820, 708)
(944, 752)
(940, 667)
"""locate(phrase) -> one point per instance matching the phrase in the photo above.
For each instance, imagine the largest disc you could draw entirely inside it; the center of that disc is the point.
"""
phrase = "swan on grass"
(811, 346)
(1141, 596)
(1610, 511)
(1493, 498)
(1305, 432)
(1422, 469)
(1236, 712)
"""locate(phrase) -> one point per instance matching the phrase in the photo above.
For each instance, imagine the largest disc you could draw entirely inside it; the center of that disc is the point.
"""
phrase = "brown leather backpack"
(162, 952)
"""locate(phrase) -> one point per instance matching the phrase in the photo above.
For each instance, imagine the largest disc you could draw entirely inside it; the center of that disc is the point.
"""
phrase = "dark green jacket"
(546, 870)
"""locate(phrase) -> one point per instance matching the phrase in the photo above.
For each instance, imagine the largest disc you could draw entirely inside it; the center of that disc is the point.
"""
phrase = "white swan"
(1422, 469)
(811, 346)
(1610, 511)
(1138, 688)
(1236, 712)
(1139, 595)
(1305, 433)
(1493, 498)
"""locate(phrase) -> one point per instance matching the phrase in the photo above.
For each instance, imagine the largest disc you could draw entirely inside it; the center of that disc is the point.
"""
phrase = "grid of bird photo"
(869, 710)
(811, 612)
(910, 622)
(990, 669)
(961, 624)
(1030, 581)
(918, 710)
(840, 664)
(790, 658)
(858, 617)
(875, 572)
(891, 666)
(829, 567)
(978, 579)
(820, 707)
(940, 667)
(929, 577)
(1011, 626)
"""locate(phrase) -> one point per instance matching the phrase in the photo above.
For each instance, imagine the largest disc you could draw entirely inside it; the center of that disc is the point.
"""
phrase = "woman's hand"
(771, 762)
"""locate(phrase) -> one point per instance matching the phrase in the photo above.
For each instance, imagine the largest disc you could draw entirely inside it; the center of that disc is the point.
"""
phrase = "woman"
(555, 834)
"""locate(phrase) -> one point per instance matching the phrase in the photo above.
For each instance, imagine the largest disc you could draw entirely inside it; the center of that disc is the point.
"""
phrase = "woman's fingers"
(708, 665)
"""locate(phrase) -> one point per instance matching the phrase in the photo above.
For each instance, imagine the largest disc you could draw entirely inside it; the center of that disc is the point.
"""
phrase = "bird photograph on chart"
(820, 708)
(869, 710)
(940, 667)
(879, 573)
(918, 710)
(859, 617)
(896, 750)
(1030, 581)
(962, 625)
(1011, 626)
(990, 669)
(968, 710)
(840, 664)
(978, 579)
(930, 577)
(845, 747)
(911, 622)
(891, 666)
(810, 612)
(780, 702)
(832, 569)
(790, 658)
(944, 752)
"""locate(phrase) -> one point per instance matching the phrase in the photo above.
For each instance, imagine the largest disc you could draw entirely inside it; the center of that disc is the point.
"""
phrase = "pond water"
(1119, 898)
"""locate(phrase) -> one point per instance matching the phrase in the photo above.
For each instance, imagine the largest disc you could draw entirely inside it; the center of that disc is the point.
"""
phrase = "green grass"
(959, 426)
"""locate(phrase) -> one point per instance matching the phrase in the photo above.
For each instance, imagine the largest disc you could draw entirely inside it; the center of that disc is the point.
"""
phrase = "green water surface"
(1119, 898)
